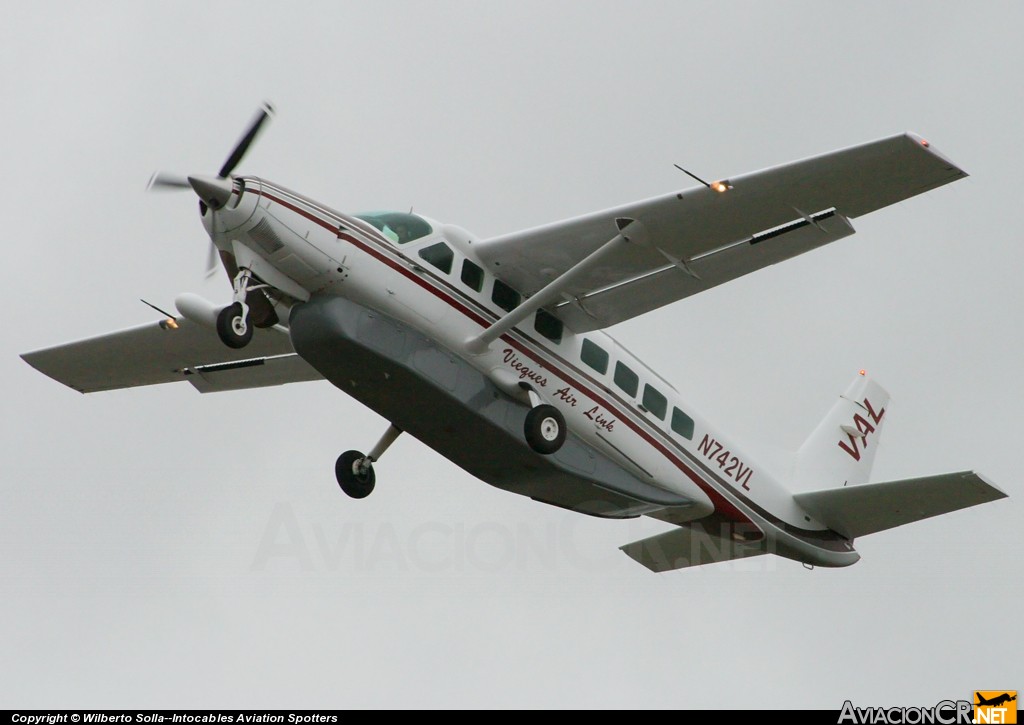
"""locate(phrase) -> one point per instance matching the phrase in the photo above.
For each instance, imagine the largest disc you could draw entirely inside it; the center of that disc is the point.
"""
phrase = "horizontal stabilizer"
(864, 509)
(687, 546)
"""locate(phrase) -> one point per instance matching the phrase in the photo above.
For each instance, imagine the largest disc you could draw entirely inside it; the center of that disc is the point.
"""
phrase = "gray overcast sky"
(166, 549)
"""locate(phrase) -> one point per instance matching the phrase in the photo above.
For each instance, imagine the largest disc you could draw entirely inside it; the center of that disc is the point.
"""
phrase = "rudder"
(841, 450)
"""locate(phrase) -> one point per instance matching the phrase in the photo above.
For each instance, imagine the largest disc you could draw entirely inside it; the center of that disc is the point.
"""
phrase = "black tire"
(353, 484)
(234, 330)
(545, 429)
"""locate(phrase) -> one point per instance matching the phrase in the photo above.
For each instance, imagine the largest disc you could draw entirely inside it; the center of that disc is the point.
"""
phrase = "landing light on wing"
(169, 324)
(720, 186)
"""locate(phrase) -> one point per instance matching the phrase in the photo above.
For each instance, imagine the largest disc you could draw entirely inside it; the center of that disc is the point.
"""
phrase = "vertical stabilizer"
(841, 450)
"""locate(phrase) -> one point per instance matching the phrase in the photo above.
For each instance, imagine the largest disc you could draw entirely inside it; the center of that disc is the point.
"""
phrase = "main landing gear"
(354, 471)
(544, 429)
(545, 432)
(234, 325)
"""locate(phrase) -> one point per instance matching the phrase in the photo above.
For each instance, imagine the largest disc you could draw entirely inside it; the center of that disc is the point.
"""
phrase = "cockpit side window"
(440, 255)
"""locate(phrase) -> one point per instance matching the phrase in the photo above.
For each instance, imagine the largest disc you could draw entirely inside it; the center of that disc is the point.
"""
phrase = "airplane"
(492, 351)
(995, 701)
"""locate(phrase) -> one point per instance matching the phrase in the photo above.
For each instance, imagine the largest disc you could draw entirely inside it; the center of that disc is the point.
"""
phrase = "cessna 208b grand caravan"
(490, 351)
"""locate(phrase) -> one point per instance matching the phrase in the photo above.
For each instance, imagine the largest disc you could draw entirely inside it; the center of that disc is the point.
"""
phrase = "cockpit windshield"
(398, 226)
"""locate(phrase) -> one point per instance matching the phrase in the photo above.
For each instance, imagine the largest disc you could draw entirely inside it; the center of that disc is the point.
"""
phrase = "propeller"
(161, 180)
(214, 191)
(258, 121)
(208, 187)
(211, 260)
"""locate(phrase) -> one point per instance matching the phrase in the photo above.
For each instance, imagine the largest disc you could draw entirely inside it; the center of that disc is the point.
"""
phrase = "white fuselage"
(306, 249)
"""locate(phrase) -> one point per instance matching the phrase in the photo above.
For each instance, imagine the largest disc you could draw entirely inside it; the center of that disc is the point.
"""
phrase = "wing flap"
(147, 355)
(871, 507)
(670, 282)
(258, 372)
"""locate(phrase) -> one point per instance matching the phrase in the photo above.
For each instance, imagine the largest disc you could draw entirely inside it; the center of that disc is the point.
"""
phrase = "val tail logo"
(995, 706)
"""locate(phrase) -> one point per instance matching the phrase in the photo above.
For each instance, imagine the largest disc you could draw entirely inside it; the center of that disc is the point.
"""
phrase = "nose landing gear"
(234, 325)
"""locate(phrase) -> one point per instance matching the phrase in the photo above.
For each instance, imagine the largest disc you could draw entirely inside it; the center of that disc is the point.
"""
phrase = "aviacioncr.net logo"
(947, 712)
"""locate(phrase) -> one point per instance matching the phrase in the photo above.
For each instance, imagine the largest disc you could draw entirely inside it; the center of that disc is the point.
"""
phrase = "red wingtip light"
(925, 143)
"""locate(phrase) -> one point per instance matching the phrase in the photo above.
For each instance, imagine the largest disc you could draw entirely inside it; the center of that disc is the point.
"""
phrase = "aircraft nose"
(212, 190)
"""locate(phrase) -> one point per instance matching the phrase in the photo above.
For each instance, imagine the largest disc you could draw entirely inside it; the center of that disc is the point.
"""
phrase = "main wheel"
(545, 429)
(352, 482)
(234, 328)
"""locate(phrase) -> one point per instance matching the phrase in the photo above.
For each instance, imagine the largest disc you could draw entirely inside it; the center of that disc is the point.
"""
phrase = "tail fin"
(841, 450)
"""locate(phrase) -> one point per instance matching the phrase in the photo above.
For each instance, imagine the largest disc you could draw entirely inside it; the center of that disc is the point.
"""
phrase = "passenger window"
(472, 275)
(626, 379)
(682, 424)
(594, 356)
(548, 325)
(438, 255)
(655, 402)
(504, 296)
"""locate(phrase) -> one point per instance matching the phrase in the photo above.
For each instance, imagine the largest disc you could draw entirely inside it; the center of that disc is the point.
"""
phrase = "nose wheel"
(234, 326)
(354, 471)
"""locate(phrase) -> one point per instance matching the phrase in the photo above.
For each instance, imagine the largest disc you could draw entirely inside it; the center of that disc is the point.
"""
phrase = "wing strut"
(630, 232)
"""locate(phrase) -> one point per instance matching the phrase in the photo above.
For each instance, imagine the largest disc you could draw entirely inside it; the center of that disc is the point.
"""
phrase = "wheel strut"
(354, 471)
(389, 437)
(233, 324)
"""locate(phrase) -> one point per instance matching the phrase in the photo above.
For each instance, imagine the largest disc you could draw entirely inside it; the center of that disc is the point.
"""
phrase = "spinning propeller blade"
(161, 180)
(261, 117)
(211, 261)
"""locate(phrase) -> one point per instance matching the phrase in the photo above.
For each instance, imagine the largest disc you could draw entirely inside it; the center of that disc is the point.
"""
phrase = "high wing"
(697, 239)
(158, 353)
